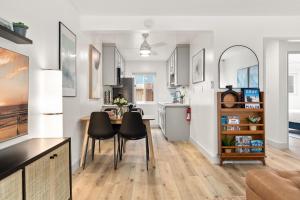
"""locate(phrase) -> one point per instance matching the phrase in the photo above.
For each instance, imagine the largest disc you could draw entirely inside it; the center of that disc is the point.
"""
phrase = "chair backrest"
(132, 126)
(100, 126)
(138, 110)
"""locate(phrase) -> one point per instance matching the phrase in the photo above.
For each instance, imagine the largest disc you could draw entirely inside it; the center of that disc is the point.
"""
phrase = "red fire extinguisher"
(188, 114)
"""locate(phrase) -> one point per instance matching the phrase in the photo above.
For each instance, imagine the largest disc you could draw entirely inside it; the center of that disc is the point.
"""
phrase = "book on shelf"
(251, 95)
(233, 120)
(243, 141)
(257, 143)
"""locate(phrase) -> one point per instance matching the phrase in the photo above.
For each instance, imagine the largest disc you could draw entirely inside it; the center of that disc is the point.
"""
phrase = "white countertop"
(168, 104)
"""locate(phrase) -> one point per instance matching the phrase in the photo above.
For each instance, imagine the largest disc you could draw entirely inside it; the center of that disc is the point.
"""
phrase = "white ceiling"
(129, 42)
(188, 7)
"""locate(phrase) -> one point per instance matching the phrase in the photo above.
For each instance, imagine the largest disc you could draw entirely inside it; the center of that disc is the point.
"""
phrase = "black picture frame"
(65, 28)
(202, 54)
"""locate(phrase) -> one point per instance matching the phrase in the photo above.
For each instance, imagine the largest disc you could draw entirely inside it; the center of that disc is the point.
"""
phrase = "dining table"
(146, 120)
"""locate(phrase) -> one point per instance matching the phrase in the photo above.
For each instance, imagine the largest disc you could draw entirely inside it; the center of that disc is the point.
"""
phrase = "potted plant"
(253, 120)
(20, 28)
(228, 141)
(120, 102)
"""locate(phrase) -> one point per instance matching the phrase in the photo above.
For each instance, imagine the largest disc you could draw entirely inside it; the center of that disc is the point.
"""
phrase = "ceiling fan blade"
(159, 44)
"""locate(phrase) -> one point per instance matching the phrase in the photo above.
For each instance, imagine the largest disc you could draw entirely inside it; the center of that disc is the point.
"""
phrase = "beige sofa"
(266, 184)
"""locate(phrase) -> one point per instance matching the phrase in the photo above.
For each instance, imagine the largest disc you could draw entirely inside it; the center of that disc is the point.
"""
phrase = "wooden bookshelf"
(244, 130)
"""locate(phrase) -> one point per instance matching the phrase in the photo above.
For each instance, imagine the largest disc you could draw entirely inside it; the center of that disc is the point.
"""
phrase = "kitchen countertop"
(168, 104)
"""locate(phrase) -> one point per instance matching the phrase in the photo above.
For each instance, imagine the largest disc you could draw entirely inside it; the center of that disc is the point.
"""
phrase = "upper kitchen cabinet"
(113, 65)
(178, 66)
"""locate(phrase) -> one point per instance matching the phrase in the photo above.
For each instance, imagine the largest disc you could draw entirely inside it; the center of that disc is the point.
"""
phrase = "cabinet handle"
(55, 155)
(51, 157)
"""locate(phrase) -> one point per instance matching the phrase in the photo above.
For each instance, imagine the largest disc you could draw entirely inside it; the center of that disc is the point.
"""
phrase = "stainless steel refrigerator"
(125, 89)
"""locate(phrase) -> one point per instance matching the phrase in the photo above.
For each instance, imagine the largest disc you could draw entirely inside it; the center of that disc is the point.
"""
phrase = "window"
(144, 87)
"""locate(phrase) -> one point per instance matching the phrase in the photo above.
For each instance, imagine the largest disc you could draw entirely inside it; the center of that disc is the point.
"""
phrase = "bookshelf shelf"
(240, 128)
(243, 132)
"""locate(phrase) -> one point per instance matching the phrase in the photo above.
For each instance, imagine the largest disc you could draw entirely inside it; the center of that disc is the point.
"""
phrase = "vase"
(228, 150)
(120, 112)
(252, 128)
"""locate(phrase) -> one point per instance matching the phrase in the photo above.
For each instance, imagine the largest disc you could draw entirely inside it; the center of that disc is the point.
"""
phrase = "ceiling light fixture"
(145, 49)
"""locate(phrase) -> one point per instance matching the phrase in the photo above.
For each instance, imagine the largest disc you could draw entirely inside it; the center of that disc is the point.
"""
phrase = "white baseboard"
(75, 166)
(212, 158)
(278, 145)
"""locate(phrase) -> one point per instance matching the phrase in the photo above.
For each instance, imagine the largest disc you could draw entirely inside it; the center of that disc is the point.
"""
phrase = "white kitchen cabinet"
(113, 67)
(178, 66)
(172, 121)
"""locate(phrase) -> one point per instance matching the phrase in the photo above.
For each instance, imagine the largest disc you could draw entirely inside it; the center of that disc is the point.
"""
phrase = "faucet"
(175, 99)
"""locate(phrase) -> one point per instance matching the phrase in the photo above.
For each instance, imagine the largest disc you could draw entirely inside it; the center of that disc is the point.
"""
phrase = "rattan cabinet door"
(11, 187)
(38, 179)
(61, 173)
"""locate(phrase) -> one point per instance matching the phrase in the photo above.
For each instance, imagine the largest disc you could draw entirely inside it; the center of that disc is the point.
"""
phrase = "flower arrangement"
(254, 119)
(120, 101)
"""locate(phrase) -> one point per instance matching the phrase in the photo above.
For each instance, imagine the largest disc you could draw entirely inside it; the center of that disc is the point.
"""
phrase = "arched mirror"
(239, 67)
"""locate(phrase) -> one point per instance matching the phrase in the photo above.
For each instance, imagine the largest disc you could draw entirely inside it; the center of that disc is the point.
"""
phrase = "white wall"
(42, 18)
(276, 92)
(161, 91)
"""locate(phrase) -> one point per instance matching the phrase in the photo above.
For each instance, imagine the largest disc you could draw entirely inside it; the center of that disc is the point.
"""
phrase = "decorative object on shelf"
(253, 120)
(198, 67)
(67, 60)
(228, 141)
(257, 143)
(14, 85)
(20, 28)
(239, 67)
(95, 59)
(251, 95)
(120, 102)
(229, 97)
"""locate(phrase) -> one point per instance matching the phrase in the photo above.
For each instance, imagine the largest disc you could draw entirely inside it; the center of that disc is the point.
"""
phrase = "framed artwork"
(14, 87)
(67, 60)
(198, 67)
(251, 95)
(253, 76)
(94, 73)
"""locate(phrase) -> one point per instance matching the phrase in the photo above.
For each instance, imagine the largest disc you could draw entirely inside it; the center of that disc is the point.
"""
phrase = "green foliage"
(254, 119)
(228, 140)
(20, 25)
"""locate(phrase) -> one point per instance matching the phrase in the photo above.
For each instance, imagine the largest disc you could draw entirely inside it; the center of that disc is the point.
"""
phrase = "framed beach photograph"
(67, 60)
(198, 67)
(94, 73)
(14, 88)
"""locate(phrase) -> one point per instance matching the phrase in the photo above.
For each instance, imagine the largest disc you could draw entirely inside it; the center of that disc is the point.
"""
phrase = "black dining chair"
(132, 128)
(100, 128)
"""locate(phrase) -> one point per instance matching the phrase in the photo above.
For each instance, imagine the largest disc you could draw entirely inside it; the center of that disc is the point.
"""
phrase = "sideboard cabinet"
(37, 169)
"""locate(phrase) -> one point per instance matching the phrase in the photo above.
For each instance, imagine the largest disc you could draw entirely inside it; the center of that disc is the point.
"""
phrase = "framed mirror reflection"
(239, 67)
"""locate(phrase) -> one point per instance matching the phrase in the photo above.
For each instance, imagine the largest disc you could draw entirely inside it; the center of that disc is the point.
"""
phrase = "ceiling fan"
(146, 48)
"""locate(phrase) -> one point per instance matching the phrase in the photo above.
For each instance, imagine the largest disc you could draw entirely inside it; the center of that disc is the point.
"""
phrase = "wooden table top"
(119, 121)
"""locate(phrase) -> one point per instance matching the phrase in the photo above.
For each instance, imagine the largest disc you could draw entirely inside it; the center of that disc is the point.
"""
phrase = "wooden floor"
(182, 172)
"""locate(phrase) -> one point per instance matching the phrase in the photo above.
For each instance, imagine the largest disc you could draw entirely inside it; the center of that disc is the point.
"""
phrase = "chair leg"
(147, 152)
(115, 156)
(121, 148)
(99, 146)
(86, 152)
(93, 148)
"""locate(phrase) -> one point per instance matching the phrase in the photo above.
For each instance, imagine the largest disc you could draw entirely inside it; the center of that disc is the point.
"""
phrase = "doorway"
(294, 101)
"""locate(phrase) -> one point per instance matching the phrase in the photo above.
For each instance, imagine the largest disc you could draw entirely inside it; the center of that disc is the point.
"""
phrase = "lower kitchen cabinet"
(44, 171)
(11, 187)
